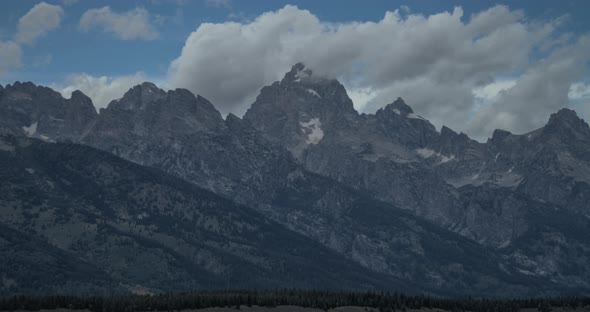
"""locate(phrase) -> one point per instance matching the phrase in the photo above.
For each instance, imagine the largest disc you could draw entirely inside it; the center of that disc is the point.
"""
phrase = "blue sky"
(124, 42)
(100, 54)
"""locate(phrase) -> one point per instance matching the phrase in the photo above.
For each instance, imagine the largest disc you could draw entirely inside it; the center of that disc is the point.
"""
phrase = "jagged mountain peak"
(139, 97)
(398, 112)
(567, 124)
(40, 112)
(500, 135)
(184, 103)
(80, 109)
(453, 143)
(148, 111)
(302, 95)
(299, 66)
(79, 96)
(146, 86)
(446, 131)
(297, 72)
(231, 118)
(148, 95)
(400, 107)
(564, 113)
(31, 89)
(149, 85)
(79, 100)
(300, 109)
(303, 78)
(237, 125)
(17, 85)
(566, 116)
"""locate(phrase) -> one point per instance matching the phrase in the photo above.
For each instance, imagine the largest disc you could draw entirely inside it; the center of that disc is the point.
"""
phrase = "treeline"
(305, 298)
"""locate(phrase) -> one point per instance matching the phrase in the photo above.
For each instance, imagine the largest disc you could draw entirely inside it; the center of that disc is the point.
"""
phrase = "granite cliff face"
(40, 112)
(385, 193)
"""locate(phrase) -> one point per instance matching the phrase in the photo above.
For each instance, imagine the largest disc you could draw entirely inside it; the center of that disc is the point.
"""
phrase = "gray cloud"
(543, 89)
(40, 20)
(130, 25)
(437, 63)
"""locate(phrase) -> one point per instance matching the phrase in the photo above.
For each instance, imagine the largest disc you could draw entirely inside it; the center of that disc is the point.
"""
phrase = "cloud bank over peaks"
(437, 63)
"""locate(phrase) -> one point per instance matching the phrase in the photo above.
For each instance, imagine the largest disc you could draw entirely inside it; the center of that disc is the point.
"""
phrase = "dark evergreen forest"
(305, 298)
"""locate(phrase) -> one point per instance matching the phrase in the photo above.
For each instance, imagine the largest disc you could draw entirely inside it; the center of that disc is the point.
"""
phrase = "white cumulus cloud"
(36, 23)
(130, 25)
(40, 20)
(579, 90)
(448, 67)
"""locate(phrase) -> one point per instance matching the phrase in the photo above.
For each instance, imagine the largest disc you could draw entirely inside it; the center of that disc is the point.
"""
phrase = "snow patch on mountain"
(313, 130)
(303, 73)
(30, 130)
(444, 159)
(312, 91)
(414, 116)
(508, 179)
(425, 152)
(428, 153)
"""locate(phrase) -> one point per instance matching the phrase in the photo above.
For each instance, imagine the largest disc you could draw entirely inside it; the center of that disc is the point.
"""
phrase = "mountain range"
(158, 192)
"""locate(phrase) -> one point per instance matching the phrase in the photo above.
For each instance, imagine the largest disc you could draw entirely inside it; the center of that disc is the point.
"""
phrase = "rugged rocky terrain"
(42, 113)
(386, 194)
(76, 219)
(497, 193)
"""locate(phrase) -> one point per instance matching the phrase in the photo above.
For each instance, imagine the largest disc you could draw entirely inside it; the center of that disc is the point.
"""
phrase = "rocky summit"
(158, 192)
